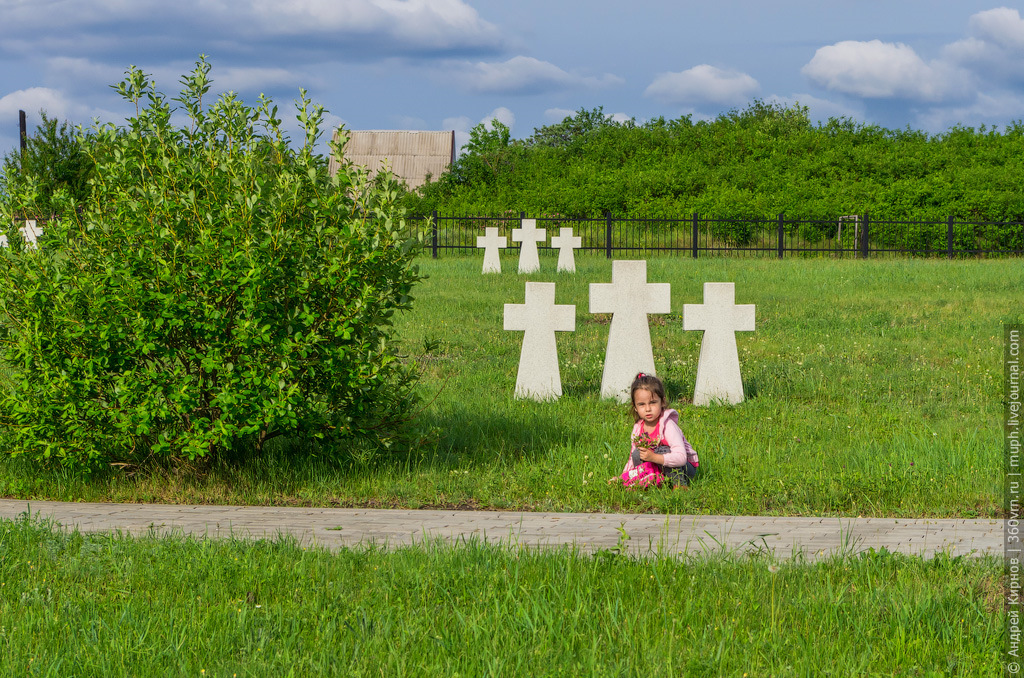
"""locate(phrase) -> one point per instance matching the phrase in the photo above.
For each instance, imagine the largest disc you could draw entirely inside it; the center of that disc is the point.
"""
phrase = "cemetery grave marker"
(629, 298)
(718, 371)
(566, 244)
(539, 377)
(529, 235)
(491, 243)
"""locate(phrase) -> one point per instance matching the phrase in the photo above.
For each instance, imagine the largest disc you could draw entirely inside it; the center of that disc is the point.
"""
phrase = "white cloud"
(525, 75)
(420, 24)
(620, 117)
(558, 114)
(1002, 26)
(994, 48)
(883, 70)
(984, 109)
(34, 99)
(974, 80)
(502, 115)
(361, 28)
(56, 104)
(703, 84)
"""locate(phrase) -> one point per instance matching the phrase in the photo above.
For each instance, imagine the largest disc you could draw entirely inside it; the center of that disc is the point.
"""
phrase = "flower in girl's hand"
(644, 440)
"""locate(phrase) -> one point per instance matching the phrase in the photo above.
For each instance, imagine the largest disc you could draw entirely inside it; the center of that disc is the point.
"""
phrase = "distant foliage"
(755, 162)
(53, 161)
(217, 288)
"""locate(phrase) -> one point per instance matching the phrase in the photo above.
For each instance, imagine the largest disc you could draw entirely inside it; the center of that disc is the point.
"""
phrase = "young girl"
(660, 425)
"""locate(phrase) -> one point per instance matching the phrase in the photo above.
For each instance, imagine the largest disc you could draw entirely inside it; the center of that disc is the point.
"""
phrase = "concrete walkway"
(333, 528)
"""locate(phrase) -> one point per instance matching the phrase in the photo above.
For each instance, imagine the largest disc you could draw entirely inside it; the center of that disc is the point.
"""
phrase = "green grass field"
(874, 388)
(119, 606)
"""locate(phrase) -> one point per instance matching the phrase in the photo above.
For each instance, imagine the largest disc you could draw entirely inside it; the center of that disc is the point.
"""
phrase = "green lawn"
(118, 606)
(874, 388)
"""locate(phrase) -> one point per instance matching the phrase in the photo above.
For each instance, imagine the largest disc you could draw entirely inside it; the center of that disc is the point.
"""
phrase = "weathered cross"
(529, 235)
(718, 372)
(566, 244)
(538, 377)
(629, 298)
(491, 242)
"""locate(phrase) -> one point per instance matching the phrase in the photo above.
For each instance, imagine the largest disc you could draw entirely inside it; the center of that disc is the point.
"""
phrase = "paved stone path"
(333, 528)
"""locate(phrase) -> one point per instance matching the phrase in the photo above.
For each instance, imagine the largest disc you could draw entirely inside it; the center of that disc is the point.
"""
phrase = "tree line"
(756, 162)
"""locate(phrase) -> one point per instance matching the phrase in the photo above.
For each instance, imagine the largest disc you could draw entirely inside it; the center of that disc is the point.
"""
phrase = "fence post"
(782, 235)
(433, 233)
(693, 242)
(864, 238)
(23, 129)
(949, 237)
(608, 233)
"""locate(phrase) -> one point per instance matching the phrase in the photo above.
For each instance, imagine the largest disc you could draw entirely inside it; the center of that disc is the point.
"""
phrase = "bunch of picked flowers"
(644, 440)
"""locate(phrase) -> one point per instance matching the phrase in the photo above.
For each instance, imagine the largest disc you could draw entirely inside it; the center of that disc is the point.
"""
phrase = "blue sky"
(450, 64)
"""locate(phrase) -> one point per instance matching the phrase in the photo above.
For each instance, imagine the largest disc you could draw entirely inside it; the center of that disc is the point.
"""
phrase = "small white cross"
(491, 242)
(538, 377)
(629, 298)
(566, 244)
(529, 235)
(30, 232)
(718, 372)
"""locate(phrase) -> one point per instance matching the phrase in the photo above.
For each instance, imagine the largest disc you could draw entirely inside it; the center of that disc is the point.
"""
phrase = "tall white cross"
(491, 243)
(629, 298)
(566, 244)
(529, 235)
(718, 372)
(538, 377)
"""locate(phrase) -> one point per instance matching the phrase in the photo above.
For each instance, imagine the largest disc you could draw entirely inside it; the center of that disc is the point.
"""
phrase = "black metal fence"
(848, 236)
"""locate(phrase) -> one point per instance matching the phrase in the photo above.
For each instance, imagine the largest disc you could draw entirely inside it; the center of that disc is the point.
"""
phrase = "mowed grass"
(122, 606)
(874, 388)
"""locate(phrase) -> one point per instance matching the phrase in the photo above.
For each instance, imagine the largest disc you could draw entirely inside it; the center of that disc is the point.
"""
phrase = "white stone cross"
(491, 242)
(718, 372)
(566, 245)
(529, 235)
(539, 377)
(629, 298)
(30, 232)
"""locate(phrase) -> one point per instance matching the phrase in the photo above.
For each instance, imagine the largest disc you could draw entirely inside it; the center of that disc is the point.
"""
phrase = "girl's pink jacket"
(672, 435)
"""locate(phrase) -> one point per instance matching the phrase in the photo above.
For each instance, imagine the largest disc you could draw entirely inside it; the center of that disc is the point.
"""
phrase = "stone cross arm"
(719, 312)
(540, 313)
(629, 291)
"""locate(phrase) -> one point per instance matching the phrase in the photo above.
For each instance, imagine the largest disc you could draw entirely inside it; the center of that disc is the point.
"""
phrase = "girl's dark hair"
(647, 382)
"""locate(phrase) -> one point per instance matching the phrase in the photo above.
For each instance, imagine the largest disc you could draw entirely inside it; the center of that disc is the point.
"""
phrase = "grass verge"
(123, 606)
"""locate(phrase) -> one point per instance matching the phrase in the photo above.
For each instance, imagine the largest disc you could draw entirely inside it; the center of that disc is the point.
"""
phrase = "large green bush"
(218, 288)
